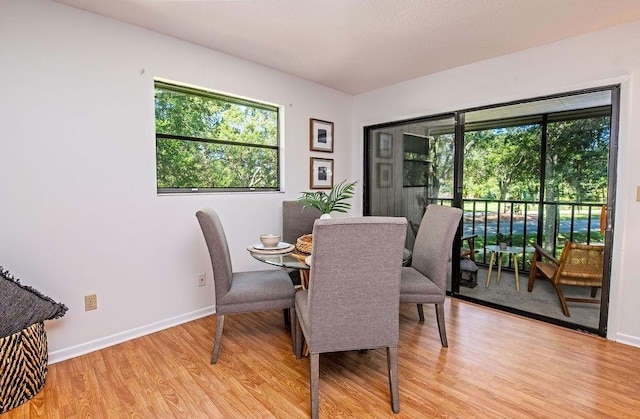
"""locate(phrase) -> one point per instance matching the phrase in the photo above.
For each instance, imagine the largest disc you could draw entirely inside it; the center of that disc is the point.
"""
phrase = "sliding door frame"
(457, 201)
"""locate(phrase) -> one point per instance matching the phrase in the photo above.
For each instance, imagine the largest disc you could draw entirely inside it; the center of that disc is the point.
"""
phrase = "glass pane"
(193, 164)
(501, 177)
(410, 165)
(575, 180)
(189, 115)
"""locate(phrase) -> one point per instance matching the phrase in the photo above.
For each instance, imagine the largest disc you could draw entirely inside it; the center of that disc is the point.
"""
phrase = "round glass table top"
(283, 260)
(508, 249)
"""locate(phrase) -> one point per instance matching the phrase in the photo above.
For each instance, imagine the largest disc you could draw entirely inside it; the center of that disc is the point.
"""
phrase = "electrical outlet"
(202, 280)
(90, 302)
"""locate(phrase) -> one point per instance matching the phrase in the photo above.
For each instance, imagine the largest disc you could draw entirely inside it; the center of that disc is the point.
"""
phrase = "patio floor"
(542, 300)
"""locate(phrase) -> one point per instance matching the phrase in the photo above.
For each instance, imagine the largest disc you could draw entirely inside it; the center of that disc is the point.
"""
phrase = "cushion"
(22, 306)
(468, 265)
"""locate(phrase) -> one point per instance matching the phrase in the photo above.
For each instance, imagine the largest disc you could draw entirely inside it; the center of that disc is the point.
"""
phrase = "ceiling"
(359, 45)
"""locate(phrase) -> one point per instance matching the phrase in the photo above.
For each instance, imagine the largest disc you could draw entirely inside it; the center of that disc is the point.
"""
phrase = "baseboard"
(628, 340)
(105, 342)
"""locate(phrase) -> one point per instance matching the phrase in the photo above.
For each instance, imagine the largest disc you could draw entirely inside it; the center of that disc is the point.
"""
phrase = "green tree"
(577, 160)
(502, 163)
(220, 144)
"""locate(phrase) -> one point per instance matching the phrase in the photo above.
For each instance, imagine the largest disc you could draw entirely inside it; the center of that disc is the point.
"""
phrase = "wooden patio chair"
(580, 265)
(470, 250)
(468, 267)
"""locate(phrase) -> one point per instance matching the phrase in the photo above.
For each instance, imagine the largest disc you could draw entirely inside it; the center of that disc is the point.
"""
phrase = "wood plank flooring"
(497, 366)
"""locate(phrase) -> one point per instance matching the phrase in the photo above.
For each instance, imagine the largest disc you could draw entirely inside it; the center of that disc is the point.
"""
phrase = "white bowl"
(270, 240)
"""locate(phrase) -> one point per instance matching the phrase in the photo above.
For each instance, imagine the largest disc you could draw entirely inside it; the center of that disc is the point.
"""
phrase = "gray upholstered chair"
(425, 281)
(297, 220)
(354, 291)
(240, 292)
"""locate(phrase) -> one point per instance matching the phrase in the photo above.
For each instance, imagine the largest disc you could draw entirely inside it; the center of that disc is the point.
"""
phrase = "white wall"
(597, 59)
(79, 213)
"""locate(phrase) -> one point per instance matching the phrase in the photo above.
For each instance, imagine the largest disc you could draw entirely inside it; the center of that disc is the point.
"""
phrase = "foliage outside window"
(416, 160)
(210, 142)
(504, 163)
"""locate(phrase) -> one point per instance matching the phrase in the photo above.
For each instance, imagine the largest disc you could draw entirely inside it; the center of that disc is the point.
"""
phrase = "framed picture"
(321, 135)
(385, 175)
(321, 173)
(385, 145)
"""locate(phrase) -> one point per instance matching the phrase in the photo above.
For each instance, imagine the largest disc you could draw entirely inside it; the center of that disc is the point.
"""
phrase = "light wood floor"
(497, 366)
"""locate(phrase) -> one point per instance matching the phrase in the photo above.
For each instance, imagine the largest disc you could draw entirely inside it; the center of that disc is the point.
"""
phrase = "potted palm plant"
(336, 200)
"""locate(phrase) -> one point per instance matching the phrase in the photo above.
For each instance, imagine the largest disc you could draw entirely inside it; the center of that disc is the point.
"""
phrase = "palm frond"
(335, 200)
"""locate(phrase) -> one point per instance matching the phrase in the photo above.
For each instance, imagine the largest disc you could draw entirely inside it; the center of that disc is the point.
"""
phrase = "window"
(209, 142)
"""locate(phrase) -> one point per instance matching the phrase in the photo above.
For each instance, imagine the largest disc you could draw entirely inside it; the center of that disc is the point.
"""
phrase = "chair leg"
(291, 313)
(532, 278)
(392, 365)
(533, 272)
(299, 339)
(563, 302)
(314, 366)
(287, 317)
(441, 326)
(420, 313)
(217, 339)
(594, 291)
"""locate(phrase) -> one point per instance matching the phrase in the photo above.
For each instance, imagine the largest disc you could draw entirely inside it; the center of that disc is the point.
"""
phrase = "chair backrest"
(354, 285)
(432, 249)
(582, 261)
(297, 220)
(218, 250)
(470, 250)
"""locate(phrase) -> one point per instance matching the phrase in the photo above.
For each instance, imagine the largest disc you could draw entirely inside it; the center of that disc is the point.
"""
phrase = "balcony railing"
(561, 222)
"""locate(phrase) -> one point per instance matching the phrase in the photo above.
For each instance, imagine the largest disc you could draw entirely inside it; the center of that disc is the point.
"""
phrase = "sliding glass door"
(540, 171)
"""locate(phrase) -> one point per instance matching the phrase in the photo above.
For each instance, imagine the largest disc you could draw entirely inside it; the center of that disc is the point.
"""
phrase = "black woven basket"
(23, 361)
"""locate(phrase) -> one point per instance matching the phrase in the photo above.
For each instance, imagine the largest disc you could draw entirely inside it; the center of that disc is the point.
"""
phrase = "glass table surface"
(283, 260)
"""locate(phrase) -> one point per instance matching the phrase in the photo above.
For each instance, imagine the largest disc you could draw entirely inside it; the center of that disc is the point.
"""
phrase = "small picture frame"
(384, 175)
(385, 145)
(321, 173)
(321, 138)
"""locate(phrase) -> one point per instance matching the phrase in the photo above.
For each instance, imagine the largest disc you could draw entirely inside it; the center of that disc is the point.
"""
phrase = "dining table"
(284, 255)
(288, 256)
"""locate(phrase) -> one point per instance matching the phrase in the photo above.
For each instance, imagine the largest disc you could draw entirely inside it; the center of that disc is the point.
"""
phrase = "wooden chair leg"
(392, 364)
(420, 312)
(441, 326)
(533, 273)
(532, 278)
(217, 339)
(563, 302)
(314, 366)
